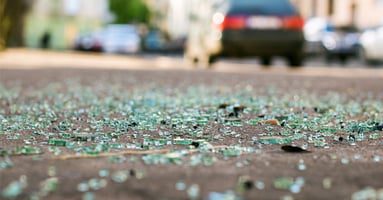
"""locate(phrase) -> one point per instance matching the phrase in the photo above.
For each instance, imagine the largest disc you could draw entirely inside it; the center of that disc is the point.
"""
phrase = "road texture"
(337, 169)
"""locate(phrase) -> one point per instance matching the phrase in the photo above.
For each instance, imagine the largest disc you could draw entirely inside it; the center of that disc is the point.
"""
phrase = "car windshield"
(262, 7)
(121, 30)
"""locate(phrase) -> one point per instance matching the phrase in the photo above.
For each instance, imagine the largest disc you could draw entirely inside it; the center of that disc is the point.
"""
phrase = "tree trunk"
(3, 25)
(12, 14)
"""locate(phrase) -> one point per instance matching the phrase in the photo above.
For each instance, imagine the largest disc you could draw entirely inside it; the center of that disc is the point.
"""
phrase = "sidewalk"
(37, 59)
(32, 59)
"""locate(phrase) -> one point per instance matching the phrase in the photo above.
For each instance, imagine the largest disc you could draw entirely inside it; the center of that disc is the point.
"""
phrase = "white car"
(121, 39)
(315, 31)
(371, 45)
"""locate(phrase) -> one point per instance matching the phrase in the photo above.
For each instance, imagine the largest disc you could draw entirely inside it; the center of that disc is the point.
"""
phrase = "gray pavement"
(70, 83)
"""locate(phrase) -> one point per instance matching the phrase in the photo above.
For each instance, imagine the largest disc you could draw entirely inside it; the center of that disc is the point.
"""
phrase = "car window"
(346, 29)
(262, 7)
(121, 28)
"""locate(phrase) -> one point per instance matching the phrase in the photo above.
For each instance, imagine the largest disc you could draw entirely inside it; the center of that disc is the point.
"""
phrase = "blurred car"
(371, 45)
(176, 45)
(241, 28)
(89, 42)
(314, 31)
(121, 39)
(154, 41)
(342, 43)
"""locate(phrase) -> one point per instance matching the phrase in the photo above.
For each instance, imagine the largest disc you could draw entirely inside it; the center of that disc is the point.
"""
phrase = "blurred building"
(175, 16)
(64, 20)
(172, 16)
(361, 13)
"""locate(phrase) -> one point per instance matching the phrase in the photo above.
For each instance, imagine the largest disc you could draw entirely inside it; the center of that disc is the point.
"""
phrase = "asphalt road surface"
(343, 162)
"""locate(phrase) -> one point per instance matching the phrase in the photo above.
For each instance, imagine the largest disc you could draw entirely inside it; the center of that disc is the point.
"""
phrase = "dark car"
(90, 42)
(154, 41)
(341, 43)
(242, 28)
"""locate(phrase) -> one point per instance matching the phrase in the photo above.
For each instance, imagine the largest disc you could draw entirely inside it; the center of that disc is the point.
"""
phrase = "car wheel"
(343, 59)
(211, 60)
(295, 60)
(266, 61)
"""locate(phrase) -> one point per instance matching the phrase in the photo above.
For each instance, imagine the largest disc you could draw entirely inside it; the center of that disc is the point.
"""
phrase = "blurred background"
(340, 31)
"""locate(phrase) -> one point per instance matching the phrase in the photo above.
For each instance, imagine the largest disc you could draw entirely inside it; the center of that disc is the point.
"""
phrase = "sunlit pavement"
(35, 59)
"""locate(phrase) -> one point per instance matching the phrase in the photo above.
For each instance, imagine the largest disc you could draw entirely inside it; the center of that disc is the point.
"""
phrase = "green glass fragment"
(66, 135)
(15, 188)
(6, 163)
(375, 136)
(275, 140)
(103, 173)
(193, 192)
(48, 186)
(202, 159)
(57, 142)
(170, 158)
(117, 159)
(83, 187)
(120, 176)
(283, 183)
(97, 184)
(83, 137)
(180, 186)
(149, 143)
(27, 150)
(231, 152)
(254, 122)
(180, 141)
(88, 196)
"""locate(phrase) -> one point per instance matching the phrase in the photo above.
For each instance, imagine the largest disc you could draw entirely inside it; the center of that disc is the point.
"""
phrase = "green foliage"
(129, 11)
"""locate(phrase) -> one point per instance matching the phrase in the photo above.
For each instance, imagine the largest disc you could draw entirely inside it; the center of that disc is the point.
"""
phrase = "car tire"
(343, 59)
(295, 60)
(266, 61)
(211, 59)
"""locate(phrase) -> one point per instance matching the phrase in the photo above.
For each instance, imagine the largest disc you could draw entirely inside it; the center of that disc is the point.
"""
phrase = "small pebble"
(103, 173)
(83, 187)
(120, 176)
(96, 184)
(52, 171)
(88, 196)
(345, 161)
(301, 165)
(327, 183)
(180, 186)
(376, 158)
(260, 185)
(287, 197)
(295, 189)
(193, 192)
